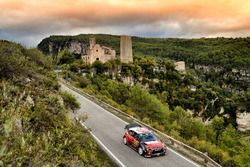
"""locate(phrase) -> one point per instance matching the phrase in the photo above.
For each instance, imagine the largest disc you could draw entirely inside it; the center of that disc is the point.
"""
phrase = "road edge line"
(103, 146)
(190, 161)
(182, 156)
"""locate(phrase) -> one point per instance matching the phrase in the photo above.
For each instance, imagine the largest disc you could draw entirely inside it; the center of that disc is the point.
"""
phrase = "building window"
(97, 58)
(107, 51)
(96, 50)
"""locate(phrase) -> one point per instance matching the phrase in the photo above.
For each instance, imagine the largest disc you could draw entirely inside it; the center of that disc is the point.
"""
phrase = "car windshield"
(148, 137)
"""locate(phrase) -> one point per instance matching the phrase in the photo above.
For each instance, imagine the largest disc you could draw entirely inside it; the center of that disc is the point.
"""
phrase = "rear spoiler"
(132, 126)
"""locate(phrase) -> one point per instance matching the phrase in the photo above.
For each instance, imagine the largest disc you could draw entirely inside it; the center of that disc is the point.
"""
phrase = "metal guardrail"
(167, 139)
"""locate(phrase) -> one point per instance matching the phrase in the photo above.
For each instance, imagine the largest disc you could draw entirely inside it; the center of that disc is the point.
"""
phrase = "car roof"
(140, 130)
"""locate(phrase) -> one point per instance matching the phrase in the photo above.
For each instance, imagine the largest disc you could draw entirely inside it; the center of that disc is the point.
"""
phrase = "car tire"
(140, 151)
(125, 141)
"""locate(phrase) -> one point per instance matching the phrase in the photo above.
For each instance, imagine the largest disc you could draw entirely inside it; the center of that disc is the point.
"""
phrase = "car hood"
(154, 144)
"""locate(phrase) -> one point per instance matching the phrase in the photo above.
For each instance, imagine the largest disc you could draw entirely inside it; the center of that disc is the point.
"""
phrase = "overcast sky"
(29, 21)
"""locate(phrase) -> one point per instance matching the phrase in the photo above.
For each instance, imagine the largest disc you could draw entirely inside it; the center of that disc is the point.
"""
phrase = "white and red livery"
(143, 141)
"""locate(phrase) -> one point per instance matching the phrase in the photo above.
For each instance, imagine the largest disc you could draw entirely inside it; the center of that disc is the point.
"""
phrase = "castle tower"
(92, 42)
(126, 54)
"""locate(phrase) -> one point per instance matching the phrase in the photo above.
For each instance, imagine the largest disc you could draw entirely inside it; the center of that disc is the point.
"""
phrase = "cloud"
(29, 20)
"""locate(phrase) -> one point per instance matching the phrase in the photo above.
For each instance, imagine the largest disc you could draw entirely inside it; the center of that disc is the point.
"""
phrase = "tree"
(99, 67)
(147, 105)
(218, 126)
(229, 139)
(118, 91)
(65, 57)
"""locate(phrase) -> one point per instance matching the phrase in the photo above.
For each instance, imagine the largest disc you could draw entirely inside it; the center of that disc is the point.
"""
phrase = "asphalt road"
(109, 129)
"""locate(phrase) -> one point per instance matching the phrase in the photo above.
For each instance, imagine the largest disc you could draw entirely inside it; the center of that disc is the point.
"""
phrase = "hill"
(233, 52)
(198, 107)
(35, 129)
(223, 61)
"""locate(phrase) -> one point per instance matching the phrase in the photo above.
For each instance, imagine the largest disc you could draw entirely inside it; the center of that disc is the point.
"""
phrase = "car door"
(130, 137)
(136, 141)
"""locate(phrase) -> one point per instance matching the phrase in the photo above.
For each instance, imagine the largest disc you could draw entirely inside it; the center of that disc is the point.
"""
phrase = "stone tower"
(92, 42)
(126, 54)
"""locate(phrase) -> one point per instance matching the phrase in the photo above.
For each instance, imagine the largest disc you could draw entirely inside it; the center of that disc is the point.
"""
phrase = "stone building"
(98, 52)
(126, 54)
(104, 54)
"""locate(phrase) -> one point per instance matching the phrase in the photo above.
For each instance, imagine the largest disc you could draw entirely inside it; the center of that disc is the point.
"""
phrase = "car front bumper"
(158, 152)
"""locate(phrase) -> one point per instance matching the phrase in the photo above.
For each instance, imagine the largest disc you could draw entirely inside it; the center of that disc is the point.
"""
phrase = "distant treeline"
(223, 52)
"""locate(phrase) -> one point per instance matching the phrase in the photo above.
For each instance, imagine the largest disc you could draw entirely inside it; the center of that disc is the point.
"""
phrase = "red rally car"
(143, 140)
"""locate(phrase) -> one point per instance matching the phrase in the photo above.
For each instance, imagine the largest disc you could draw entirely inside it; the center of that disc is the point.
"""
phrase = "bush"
(65, 57)
(52, 83)
(12, 60)
(84, 82)
(35, 129)
(70, 101)
(39, 58)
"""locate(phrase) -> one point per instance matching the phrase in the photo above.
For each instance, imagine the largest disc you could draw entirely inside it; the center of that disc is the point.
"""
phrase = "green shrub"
(65, 57)
(84, 82)
(35, 129)
(12, 60)
(52, 83)
(70, 101)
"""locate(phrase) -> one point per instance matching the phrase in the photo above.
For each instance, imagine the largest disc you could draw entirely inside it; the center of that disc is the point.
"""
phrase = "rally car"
(143, 141)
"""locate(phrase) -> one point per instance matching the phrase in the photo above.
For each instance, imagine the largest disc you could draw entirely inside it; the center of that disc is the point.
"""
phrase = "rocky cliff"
(78, 48)
(54, 44)
(243, 121)
(76, 44)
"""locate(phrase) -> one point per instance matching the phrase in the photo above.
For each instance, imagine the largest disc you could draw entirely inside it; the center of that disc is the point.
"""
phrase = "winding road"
(108, 130)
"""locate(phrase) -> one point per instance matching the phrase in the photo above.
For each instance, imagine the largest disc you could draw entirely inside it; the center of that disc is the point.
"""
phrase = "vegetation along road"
(109, 129)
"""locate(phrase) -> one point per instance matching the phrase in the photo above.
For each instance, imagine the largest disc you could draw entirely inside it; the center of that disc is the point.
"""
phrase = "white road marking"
(190, 161)
(183, 157)
(103, 146)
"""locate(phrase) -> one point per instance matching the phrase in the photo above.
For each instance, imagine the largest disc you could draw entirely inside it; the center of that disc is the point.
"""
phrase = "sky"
(29, 21)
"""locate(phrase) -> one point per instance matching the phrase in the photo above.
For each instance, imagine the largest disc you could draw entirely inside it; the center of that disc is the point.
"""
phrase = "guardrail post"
(174, 144)
(205, 158)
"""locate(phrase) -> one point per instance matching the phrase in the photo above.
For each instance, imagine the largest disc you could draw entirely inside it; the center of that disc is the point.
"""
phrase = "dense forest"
(35, 127)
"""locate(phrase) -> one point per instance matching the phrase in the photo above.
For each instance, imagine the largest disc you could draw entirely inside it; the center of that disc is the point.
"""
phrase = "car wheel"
(125, 141)
(140, 151)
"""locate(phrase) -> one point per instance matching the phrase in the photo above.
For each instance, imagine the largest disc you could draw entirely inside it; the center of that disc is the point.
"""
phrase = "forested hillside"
(228, 52)
(167, 101)
(223, 61)
(35, 129)
(198, 107)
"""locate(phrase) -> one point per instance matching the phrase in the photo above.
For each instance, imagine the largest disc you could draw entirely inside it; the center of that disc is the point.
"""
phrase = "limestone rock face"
(128, 80)
(243, 121)
(180, 66)
(77, 48)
